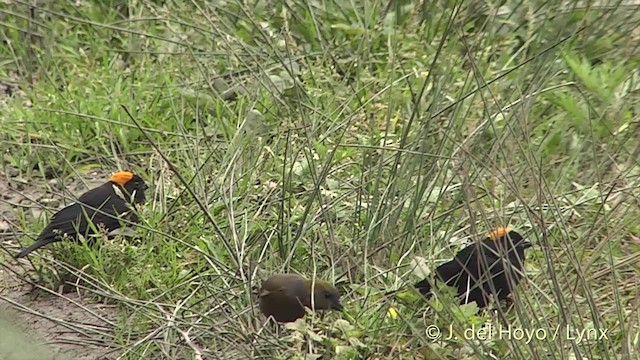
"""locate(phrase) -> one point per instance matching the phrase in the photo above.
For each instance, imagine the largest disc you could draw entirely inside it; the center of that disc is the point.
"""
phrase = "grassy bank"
(351, 141)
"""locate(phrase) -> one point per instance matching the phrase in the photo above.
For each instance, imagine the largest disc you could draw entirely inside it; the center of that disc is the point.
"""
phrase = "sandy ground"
(67, 326)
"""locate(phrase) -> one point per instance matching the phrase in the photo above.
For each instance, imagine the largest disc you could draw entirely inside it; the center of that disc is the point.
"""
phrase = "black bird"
(490, 267)
(103, 206)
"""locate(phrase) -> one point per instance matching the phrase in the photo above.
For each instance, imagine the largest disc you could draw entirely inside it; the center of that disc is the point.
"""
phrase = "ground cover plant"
(359, 142)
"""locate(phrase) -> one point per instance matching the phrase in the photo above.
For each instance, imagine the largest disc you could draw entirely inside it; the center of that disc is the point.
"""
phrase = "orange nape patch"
(121, 177)
(499, 232)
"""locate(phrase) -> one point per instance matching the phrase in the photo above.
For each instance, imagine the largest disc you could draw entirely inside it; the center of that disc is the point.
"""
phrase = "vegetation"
(359, 142)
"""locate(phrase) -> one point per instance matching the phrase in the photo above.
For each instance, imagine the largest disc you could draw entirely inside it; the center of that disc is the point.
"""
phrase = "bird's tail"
(35, 246)
(424, 286)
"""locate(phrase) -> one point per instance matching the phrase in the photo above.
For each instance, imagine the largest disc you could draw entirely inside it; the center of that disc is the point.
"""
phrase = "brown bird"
(285, 296)
(490, 267)
(103, 205)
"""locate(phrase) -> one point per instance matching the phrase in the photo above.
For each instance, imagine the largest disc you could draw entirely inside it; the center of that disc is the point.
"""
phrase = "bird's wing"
(269, 289)
(89, 200)
(74, 217)
(495, 260)
(463, 255)
(264, 292)
(498, 269)
(450, 271)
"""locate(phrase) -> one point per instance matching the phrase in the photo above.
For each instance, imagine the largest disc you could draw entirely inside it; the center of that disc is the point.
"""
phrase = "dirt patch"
(68, 326)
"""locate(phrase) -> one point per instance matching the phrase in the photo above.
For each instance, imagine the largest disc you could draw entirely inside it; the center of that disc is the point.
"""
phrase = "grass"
(343, 140)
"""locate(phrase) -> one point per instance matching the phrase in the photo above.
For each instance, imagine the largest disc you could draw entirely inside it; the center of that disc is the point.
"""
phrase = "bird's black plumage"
(104, 206)
(491, 267)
